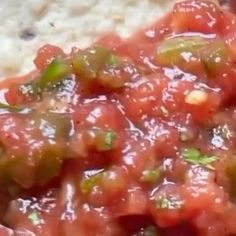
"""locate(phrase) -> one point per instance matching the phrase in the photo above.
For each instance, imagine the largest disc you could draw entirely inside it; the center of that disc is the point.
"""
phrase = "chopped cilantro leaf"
(11, 108)
(105, 140)
(113, 61)
(110, 137)
(35, 219)
(195, 157)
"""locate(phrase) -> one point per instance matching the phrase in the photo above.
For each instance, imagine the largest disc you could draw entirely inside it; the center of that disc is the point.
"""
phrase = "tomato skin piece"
(135, 203)
(13, 96)
(101, 115)
(46, 54)
(196, 16)
(144, 96)
(20, 95)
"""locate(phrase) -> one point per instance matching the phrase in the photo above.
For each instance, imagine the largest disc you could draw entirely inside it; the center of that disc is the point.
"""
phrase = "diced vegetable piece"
(50, 163)
(171, 51)
(183, 136)
(56, 127)
(19, 95)
(87, 184)
(105, 140)
(10, 108)
(151, 176)
(169, 202)
(114, 181)
(195, 157)
(214, 56)
(36, 169)
(110, 181)
(102, 140)
(101, 64)
(186, 134)
(44, 154)
(16, 170)
(56, 71)
(22, 170)
(53, 125)
(164, 111)
(112, 78)
(46, 54)
(87, 63)
(35, 219)
(196, 97)
(196, 16)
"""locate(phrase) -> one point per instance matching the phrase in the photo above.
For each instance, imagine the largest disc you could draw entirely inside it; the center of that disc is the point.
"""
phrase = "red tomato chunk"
(132, 137)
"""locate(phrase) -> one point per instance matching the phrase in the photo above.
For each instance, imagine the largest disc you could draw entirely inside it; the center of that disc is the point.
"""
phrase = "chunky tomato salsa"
(132, 137)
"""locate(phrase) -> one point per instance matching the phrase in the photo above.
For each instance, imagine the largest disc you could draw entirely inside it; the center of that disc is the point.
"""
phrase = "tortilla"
(27, 25)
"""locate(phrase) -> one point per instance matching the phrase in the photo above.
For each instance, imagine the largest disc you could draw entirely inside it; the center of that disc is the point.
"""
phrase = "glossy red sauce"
(143, 145)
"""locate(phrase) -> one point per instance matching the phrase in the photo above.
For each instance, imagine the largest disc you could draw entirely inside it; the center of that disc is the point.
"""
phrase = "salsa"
(129, 137)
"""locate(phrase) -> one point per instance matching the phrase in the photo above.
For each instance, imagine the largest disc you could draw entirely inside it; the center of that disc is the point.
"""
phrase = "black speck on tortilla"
(27, 34)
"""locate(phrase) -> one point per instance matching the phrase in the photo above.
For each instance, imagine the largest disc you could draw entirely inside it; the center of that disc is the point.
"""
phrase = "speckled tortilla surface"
(27, 25)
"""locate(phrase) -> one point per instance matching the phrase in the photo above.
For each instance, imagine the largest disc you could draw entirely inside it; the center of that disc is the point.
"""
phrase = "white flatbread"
(27, 25)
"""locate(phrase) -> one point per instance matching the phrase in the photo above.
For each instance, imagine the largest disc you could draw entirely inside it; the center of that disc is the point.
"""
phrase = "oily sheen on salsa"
(132, 137)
